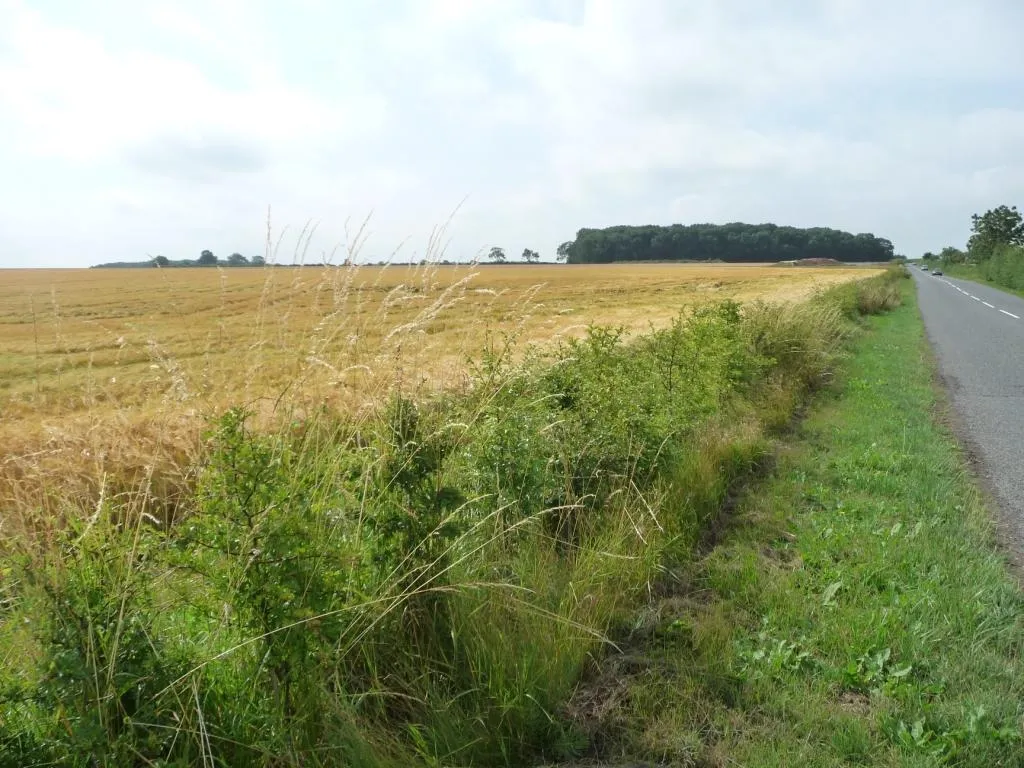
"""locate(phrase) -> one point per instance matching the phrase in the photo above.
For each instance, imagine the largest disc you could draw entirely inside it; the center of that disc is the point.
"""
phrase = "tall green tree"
(161, 261)
(207, 259)
(530, 257)
(563, 251)
(497, 255)
(237, 260)
(257, 261)
(998, 227)
(950, 255)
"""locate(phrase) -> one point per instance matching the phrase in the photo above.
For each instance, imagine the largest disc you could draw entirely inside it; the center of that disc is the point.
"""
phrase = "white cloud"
(74, 97)
(164, 126)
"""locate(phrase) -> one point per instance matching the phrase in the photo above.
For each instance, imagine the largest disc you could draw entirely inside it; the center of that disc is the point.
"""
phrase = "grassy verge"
(979, 275)
(426, 585)
(855, 613)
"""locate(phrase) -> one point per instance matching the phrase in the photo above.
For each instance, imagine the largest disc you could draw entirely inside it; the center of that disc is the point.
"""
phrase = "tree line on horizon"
(206, 259)
(735, 242)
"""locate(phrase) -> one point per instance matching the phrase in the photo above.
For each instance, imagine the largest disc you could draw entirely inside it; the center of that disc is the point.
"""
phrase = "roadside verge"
(857, 610)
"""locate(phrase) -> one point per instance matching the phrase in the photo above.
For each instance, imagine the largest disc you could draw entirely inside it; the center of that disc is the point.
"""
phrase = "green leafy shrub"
(261, 539)
(1005, 267)
(105, 688)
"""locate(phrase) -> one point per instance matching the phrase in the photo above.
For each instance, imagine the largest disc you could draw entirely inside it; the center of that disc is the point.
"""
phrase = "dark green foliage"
(995, 230)
(628, 408)
(949, 255)
(995, 251)
(262, 539)
(105, 694)
(1005, 267)
(234, 261)
(414, 521)
(725, 242)
(606, 415)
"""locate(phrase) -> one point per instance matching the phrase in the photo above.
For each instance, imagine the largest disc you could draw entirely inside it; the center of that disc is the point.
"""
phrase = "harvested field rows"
(104, 370)
(74, 339)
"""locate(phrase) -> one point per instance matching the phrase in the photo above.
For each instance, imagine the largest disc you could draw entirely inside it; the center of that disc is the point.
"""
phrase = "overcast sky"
(133, 128)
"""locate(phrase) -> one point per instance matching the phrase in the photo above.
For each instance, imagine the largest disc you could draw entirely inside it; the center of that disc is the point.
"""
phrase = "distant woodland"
(721, 242)
(206, 259)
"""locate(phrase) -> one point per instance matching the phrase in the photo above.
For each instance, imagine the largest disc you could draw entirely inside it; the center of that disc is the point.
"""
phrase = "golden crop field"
(106, 370)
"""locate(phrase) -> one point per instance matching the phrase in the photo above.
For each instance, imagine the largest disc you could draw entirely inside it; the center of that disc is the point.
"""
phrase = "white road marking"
(990, 306)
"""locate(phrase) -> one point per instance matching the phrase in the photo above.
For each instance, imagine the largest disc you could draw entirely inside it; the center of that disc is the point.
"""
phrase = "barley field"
(116, 371)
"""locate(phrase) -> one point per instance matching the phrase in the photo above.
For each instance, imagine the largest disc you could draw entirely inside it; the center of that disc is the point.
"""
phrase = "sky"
(440, 128)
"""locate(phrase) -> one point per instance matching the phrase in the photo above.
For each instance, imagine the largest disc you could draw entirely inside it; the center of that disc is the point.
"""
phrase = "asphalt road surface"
(978, 335)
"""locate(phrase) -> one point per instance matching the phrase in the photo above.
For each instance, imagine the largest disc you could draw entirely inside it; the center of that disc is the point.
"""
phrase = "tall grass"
(425, 582)
(1005, 267)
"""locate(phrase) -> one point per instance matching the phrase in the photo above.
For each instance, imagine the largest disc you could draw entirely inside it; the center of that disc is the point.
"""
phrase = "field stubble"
(107, 377)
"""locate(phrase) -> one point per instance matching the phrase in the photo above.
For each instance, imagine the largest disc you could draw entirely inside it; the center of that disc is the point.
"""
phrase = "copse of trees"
(995, 249)
(996, 246)
(994, 230)
(721, 242)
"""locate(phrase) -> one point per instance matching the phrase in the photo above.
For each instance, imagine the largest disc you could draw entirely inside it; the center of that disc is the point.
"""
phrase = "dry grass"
(106, 376)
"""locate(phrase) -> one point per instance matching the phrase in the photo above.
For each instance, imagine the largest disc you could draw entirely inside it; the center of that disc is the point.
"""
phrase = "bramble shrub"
(414, 521)
(261, 539)
(105, 691)
(626, 411)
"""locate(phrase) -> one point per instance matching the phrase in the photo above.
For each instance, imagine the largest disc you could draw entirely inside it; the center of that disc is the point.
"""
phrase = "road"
(978, 336)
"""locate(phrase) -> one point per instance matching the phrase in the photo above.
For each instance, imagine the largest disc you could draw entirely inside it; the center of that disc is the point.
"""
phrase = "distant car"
(937, 272)
(925, 268)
